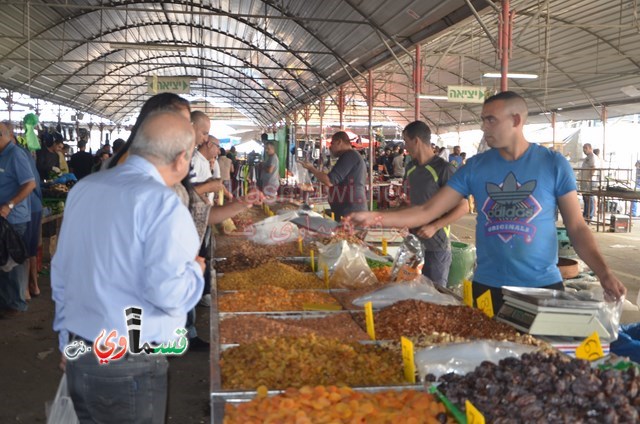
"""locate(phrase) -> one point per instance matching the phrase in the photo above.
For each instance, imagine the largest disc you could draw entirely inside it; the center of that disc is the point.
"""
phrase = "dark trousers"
(130, 390)
(436, 266)
(496, 293)
(589, 206)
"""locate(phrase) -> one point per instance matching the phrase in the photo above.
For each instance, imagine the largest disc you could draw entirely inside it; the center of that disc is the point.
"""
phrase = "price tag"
(467, 293)
(333, 216)
(485, 304)
(384, 247)
(300, 244)
(590, 349)
(313, 262)
(221, 198)
(325, 272)
(473, 415)
(407, 359)
(368, 313)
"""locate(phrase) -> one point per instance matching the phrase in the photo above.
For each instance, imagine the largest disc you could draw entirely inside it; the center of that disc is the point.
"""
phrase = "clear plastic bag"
(346, 264)
(409, 260)
(419, 289)
(275, 230)
(462, 358)
(61, 409)
(300, 174)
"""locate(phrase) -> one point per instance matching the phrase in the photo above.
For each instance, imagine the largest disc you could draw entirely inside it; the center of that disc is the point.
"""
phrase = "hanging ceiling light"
(431, 97)
(510, 75)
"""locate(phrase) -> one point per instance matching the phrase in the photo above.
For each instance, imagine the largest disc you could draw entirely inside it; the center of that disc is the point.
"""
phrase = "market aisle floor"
(29, 357)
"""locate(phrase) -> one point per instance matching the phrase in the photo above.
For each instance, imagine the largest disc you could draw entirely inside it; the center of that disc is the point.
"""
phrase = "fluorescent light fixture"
(389, 108)
(431, 97)
(510, 75)
(148, 46)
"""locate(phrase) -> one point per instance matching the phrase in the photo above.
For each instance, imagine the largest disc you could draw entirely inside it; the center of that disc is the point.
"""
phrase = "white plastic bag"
(462, 358)
(346, 264)
(275, 230)
(419, 289)
(61, 409)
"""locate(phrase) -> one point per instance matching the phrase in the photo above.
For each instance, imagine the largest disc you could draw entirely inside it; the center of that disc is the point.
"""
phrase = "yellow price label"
(467, 293)
(384, 246)
(313, 262)
(221, 198)
(590, 349)
(300, 244)
(473, 415)
(408, 360)
(325, 271)
(368, 314)
(333, 216)
(485, 304)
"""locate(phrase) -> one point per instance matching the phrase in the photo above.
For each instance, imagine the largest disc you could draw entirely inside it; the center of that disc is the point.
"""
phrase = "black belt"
(73, 337)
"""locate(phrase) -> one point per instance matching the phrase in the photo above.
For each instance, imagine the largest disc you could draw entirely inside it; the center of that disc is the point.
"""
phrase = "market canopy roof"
(267, 59)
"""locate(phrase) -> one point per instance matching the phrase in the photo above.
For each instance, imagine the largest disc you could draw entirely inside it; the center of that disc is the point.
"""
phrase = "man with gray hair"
(127, 241)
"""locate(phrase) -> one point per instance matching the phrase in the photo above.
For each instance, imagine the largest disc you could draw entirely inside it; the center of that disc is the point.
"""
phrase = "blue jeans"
(130, 390)
(13, 284)
(436, 266)
(589, 206)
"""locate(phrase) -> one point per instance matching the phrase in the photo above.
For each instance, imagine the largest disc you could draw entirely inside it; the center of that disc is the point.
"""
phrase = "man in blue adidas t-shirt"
(517, 186)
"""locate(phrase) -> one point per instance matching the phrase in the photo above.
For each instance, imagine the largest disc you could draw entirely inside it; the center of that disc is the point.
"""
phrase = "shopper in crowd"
(47, 159)
(62, 159)
(226, 169)
(347, 178)
(81, 162)
(517, 185)
(17, 181)
(587, 176)
(32, 234)
(455, 159)
(425, 176)
(270, 171)
(118, 145)
(111, 238)
(398, 164)
(201, 163)
(100, 159)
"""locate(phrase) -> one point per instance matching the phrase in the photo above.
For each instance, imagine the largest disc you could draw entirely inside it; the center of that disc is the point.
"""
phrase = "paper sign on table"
(408, 360)
(467, 293)
(368, 313)
(485, 304)
(591, 348)
(473, 415)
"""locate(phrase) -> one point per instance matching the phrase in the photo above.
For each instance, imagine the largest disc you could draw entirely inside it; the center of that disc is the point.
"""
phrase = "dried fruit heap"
(338, 405)
(244, 254)
(248, 328)
(284, 362)
(271, 299)
(549, 389)
(413, 318)
(272, 273)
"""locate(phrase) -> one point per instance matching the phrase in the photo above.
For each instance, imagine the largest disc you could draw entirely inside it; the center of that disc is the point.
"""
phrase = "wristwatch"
(11, 205)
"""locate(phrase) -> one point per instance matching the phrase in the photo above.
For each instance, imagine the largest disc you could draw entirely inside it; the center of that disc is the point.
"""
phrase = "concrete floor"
(620, 250)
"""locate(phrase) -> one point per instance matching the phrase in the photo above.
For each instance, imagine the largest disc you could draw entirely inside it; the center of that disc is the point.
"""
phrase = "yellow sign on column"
(368, 314)
(591, 348)
(485, 304)
(408, 360)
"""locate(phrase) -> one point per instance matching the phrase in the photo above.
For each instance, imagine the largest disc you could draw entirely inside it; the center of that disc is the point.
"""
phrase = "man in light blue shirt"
(16, 183)
(128, 241)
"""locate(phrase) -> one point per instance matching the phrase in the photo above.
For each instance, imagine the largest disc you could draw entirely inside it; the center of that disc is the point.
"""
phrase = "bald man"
(201, 125)
(126, 230)
(517, 186)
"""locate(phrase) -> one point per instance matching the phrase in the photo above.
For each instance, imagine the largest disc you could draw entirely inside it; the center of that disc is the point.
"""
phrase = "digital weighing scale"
(551, 313)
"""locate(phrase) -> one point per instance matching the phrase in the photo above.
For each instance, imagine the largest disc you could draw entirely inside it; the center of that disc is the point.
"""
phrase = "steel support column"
(553, 127)
(504, 44)
(321, 113)
(341, 106)
(604, 132)
(307, 115)
(417, 82)
(371, 137)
